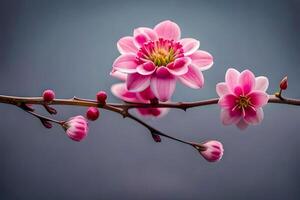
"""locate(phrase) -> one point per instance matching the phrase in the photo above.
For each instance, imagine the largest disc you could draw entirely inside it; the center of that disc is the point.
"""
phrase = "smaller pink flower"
(212, 150)
(242, 97)
(120, 90)
(145, 96)
(76, 128)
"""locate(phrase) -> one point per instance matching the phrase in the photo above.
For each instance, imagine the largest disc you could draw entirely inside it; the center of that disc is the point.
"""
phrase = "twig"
(124, 108)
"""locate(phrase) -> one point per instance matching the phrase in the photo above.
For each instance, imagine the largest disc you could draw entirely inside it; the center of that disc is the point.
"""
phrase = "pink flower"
(212, 150)
(76, 128)
(120, 91)
(157, 57)
(242, 97)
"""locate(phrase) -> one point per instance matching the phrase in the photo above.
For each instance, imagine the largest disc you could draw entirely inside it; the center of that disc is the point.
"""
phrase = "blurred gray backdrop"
(69, 46)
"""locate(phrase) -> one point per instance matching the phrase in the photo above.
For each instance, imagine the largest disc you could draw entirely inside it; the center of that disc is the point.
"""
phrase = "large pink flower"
(157, 57)
(145, 96)
(242, 97)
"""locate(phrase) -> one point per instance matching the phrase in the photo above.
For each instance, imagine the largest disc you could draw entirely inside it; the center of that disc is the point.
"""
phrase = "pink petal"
(120, 91)
(238, 91)
(231, 78)
(258, 98)
(247, 81)
(230, 117)
(152, 112)
(126, 63)
(228, 101)
(148, 32)
(189, 45)
(126, 45)
(146, 68)
(193, 78)
(179, 66)
(242, 125)
(163, 84)
(119, 75)
(222, 89)
(136, 82)
(145, 95)
(254, 116)
(202, 59)
(168, 30)
(261, 83)
(143, 34)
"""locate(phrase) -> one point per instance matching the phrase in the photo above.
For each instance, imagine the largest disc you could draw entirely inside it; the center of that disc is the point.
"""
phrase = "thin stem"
(115, 106)
(18, 101)
(124, 108)
(44, 118)
(155, 131)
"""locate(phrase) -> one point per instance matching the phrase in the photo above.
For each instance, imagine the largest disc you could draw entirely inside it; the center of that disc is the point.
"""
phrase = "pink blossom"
(120, 91)
(242, 97)
(76, 128)
(213, 152)
(157, 57)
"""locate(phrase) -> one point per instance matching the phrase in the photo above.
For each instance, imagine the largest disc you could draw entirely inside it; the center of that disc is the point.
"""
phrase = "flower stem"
(124, 108)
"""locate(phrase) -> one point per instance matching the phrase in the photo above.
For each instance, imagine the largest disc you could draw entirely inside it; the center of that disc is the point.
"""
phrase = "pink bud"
(48, 95)
(76, 128)
(92, 113)
(212, 151)
(284, 83)
(101, 96)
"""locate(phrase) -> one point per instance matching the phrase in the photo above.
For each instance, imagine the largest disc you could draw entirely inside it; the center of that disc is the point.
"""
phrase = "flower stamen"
(160, 52)
(243, 102)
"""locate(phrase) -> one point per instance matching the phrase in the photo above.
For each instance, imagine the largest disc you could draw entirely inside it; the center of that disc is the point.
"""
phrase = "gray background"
(69, 46)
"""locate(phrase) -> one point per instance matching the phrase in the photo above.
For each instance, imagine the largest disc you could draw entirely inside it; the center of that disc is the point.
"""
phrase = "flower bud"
(212, 150)
(101, 97)
(76, 128)
(284, 83)
(46, 123)
(48, 95)
(92, 113)
(156, 137)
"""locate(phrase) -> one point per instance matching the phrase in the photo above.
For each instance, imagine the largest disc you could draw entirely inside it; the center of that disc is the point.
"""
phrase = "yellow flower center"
(161, 52)
(162, 56)
(243, 102)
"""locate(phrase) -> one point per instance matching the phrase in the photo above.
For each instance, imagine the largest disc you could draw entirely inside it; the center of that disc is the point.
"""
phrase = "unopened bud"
(92, 113)
(101, 97)
(212, 150)
(284, 83)
(76, 128)
(48, 95)
(156, 137)
(46, 123)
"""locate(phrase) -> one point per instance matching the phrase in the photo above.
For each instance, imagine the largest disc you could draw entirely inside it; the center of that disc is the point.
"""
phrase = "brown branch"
(124, 108)
(186, 105)
(75, 101)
